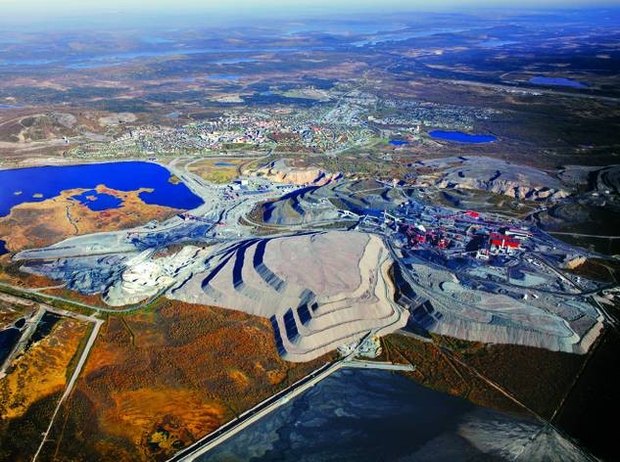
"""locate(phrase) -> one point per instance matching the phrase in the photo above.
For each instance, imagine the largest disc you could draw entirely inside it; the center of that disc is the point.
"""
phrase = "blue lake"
(460, 137)
(557, 82)
(224, 164)
(21, 185)
(227, 77)
(235, 61)
(25, 62)
(496, 43)
(369, 415)
(399, 142)
(346, 28)
(114, 59)
(154, 40)
(3, 249)
(405, 34)
(98, 201)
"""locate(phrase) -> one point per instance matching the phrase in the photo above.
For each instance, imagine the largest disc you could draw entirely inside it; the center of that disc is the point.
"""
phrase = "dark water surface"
(8, 339)
(591, 407)
(44, 327)
(370, 415)
(557, 82)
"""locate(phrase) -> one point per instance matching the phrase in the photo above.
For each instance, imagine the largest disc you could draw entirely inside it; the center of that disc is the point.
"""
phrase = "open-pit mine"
(327, 222)
(327, 264)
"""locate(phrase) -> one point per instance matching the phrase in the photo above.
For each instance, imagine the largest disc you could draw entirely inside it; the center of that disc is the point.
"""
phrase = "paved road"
(36, 293)
(358, 364)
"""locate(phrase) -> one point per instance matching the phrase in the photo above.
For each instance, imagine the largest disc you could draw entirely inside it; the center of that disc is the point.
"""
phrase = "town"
(347, 119)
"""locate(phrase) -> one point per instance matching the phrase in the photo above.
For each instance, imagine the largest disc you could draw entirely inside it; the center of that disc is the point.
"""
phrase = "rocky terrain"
(492, 175)
(145, 276)
(280, 171)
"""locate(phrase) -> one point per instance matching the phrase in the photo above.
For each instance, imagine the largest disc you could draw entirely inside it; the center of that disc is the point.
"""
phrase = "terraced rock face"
(321, 205)
(319, 290)
(608, 179)
(456, 310)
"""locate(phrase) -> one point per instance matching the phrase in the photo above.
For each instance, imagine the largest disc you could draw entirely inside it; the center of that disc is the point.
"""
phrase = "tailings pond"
(36, 184)
(369, 415)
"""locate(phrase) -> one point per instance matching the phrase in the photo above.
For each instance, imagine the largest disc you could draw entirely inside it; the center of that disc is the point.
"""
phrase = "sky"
(52, 6)
(33, 12)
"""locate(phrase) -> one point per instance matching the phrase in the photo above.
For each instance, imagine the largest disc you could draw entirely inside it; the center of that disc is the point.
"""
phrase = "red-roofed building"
(501, 241)
(472, 214)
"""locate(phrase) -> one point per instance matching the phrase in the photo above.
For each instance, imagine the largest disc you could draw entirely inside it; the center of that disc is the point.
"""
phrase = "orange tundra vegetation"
(32, 387)
(41, 371)
(39, 224)
(157, 381)
(545, 378)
